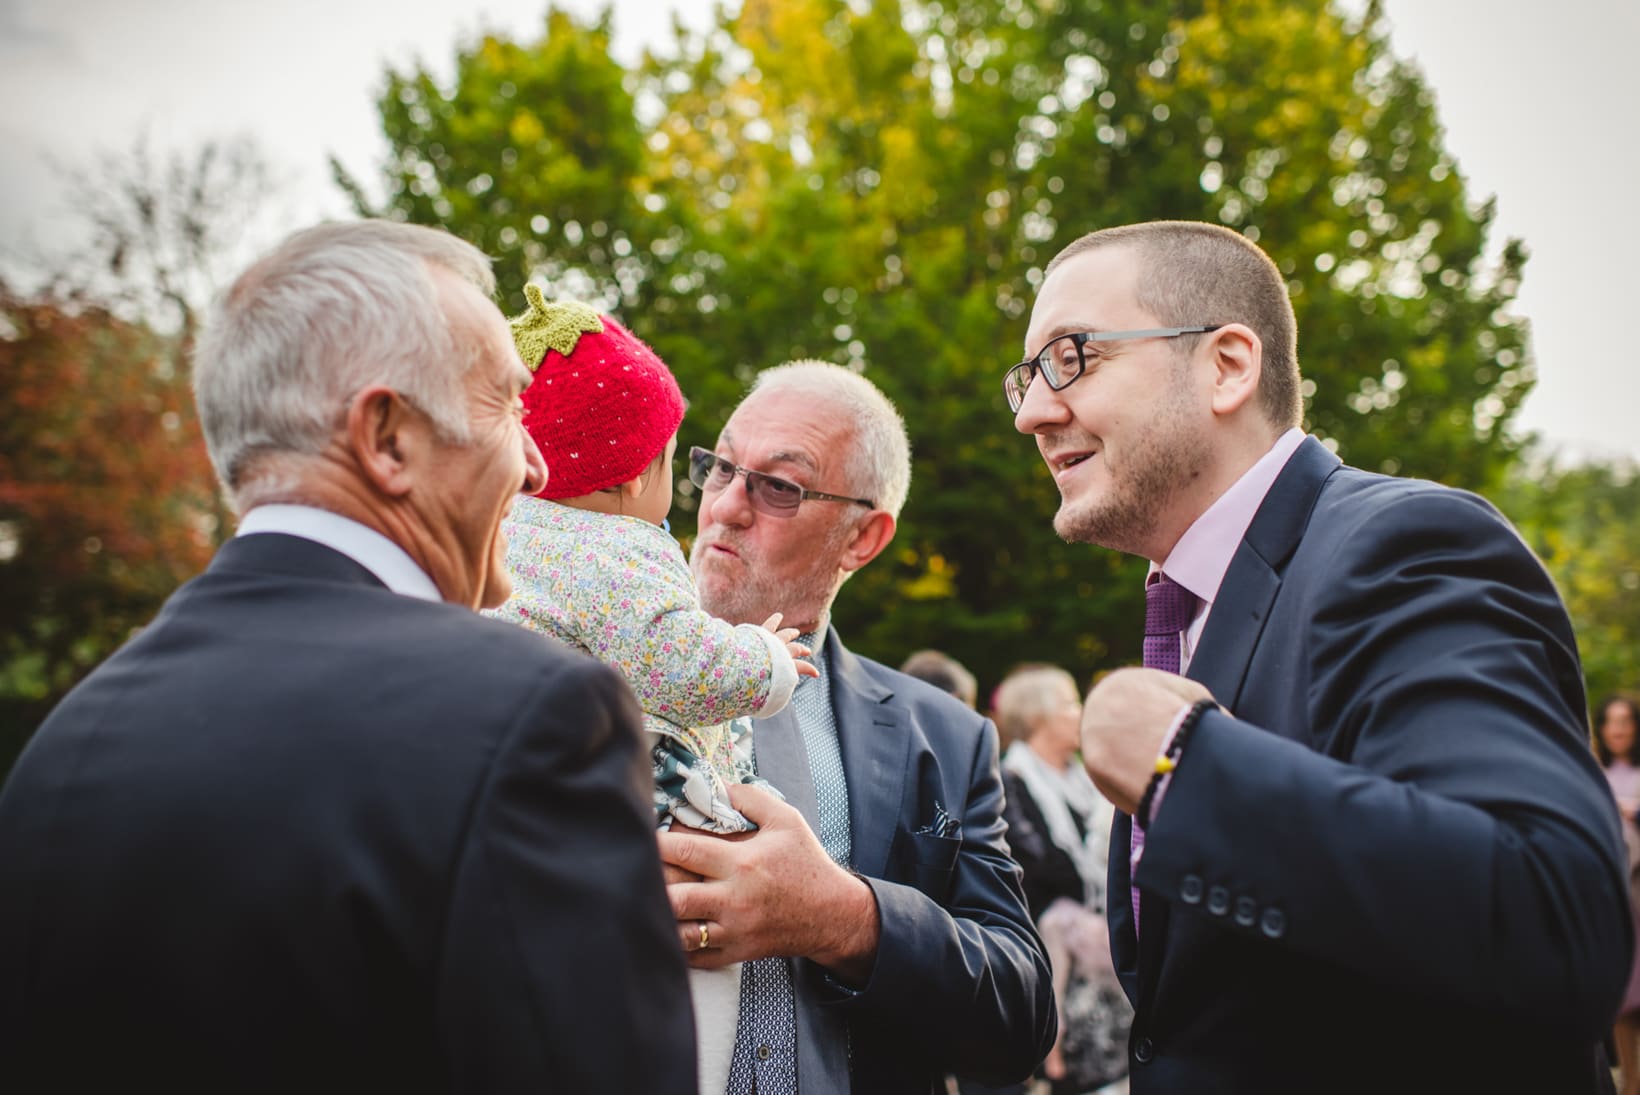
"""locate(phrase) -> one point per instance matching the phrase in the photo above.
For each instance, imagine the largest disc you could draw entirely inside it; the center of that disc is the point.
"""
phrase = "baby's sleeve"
(684, 664)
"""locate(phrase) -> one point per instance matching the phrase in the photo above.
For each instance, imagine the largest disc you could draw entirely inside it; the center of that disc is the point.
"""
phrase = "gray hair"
(332, 310)
(1026, 695)
(879, 462)
(1192, 272)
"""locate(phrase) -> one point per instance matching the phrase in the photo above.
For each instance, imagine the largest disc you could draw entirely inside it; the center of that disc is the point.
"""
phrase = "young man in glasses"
(886, 935)
(1363, 840)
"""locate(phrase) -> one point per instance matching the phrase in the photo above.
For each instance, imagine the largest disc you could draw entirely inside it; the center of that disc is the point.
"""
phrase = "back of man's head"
(1194, 273)
(879, 466)
(943, 672)
(330, 311)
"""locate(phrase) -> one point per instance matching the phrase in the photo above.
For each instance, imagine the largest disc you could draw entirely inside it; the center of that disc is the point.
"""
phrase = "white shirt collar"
(364, 545)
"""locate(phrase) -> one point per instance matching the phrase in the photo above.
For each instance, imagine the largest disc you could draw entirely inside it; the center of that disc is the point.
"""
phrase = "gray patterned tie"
(765, 1058)
(1168, 608)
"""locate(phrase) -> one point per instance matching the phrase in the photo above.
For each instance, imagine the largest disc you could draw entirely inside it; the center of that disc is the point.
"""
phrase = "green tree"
(879, 183)
(1583, 521)
(107, 501)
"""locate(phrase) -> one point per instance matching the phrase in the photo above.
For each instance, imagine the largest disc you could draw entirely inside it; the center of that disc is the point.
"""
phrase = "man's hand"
(771, 892)
(1124, 722)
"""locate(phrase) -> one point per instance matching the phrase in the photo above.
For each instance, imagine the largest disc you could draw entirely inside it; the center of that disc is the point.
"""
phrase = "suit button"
(1246, 911)
(1190, 890)
(1144, 1051)
(1218, 901)
(1273, 923)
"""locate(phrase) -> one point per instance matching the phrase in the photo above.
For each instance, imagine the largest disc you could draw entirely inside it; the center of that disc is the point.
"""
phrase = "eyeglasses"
(767, 493)
(1063, 360)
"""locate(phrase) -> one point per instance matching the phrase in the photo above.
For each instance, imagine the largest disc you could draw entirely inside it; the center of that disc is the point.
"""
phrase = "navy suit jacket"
(1394, 865)
(304, 834)
(961, 982)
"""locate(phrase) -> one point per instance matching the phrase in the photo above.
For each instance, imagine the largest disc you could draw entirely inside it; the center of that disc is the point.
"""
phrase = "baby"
(593, 564)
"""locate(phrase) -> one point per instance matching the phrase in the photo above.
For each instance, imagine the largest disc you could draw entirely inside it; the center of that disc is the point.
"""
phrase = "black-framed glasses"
(768, 494)
(1063, 360)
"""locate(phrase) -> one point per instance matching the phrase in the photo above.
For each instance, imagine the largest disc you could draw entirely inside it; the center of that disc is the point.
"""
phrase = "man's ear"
(384, 434)
(1238, 363)
(870, 538)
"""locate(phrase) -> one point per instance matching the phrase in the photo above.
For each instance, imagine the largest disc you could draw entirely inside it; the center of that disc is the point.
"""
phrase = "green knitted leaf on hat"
(556, 325)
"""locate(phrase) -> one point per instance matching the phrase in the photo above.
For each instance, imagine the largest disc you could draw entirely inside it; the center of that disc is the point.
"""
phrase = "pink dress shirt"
(1202, 556)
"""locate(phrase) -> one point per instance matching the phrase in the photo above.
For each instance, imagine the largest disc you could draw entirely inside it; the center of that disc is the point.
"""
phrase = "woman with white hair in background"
(1059, 830)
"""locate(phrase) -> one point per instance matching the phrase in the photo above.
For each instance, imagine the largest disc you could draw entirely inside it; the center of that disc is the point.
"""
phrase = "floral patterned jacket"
(619, 588)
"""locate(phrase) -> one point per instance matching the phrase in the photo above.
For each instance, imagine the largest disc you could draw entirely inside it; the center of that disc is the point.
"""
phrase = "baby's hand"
(797, 650)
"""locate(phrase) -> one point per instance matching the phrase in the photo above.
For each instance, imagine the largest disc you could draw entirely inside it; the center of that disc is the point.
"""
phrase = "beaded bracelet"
(1168, 761)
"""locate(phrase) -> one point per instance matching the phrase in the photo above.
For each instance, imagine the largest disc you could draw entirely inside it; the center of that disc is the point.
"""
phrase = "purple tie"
(1168, 608)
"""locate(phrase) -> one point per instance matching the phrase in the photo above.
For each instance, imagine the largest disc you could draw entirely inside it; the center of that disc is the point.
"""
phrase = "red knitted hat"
(602, 405)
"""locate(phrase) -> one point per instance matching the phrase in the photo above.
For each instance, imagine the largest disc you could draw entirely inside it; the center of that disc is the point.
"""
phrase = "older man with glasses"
(880, 913)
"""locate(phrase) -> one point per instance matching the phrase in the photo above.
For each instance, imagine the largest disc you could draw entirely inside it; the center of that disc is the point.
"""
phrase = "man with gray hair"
(321, 827)
(880, 914)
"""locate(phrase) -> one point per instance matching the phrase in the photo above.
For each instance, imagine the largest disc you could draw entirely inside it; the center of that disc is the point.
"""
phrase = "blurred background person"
(943, 672)
(1059, 830)
(1615, 721)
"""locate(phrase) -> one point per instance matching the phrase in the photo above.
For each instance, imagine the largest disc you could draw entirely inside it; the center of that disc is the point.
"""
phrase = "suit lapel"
(875, 745)
(777, 745)
(1221, 659)
(1254, 578)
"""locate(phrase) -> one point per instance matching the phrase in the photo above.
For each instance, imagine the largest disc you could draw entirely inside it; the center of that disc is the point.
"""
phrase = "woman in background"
(1059, 830)
(1615, 740)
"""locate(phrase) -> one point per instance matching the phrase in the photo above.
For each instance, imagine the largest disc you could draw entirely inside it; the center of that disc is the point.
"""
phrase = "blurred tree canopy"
(879, 183)
(107, 499)
(1584, 523)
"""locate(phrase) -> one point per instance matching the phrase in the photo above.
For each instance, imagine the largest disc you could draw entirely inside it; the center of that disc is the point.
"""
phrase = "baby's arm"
(687, 665)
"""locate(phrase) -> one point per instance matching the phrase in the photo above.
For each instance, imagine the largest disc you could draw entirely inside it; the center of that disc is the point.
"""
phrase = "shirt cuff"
(782, 672)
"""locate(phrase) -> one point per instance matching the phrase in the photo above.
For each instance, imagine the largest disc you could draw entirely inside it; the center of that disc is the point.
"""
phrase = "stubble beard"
(755, 597)
(1139, 491)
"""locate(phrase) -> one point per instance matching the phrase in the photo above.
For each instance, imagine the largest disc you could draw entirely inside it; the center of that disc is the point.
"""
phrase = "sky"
(1539, 104)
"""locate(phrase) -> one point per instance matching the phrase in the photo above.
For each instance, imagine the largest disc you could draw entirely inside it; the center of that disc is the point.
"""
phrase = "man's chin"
(494, 595)
(1079, 524)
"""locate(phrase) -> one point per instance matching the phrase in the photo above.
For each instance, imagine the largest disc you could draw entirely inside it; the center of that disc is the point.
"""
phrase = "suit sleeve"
(1437, 818)
(561, 967)
(963, 984)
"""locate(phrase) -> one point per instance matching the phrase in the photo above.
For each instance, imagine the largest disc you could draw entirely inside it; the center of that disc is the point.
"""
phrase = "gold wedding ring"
(705, 937)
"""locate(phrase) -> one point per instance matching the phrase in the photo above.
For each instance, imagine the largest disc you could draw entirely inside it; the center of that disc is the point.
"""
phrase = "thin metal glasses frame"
(1017, 380)
(767, 493)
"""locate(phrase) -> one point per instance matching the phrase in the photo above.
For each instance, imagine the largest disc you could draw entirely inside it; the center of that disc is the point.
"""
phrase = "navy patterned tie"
(1168, 608)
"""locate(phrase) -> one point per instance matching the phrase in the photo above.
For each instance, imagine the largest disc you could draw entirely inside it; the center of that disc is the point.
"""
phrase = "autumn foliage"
(107, 501)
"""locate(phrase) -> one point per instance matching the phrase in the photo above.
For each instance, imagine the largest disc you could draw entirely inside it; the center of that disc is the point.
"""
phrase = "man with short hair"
(321, 827)
(943, 672)
(1369, 848)
(887, 938)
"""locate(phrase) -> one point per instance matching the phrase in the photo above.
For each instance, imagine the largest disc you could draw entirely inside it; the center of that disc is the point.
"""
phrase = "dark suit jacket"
(1049, 871)
(961, 983)
(303, 834)
(1393, 867)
